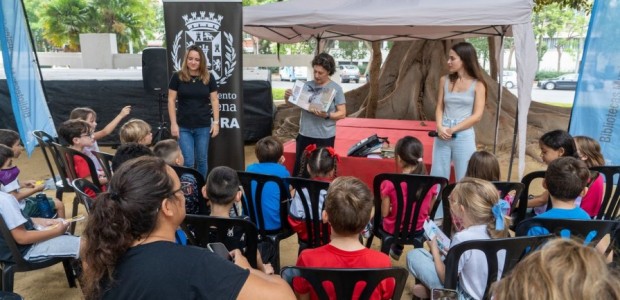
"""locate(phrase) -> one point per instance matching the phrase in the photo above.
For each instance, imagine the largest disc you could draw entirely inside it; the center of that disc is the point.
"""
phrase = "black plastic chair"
(504, 187)
(521, 211)
(202, 230)
(611, 199)
(80, 186)
(576, 228)
(105, 161)
(515, 248)
(345, 280)
(442, 200)
(318, 232)
(19, 264)
(60, 181)
(203, 208)
(406, 216)
(252, 206)
(66, 156)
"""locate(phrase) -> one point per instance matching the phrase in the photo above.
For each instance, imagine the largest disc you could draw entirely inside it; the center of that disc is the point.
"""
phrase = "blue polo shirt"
(271, 192)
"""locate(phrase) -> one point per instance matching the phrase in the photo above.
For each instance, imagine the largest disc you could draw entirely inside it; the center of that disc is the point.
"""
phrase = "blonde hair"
(184, 74)
(478, 197)
(562, 269)
(134, 131)
(591, 149)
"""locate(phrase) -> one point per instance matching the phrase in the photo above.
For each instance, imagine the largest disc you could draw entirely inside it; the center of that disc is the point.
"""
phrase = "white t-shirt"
(9, 209)
(473, 270)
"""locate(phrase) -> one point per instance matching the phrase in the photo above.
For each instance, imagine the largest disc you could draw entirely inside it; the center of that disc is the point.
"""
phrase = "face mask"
(8, 175)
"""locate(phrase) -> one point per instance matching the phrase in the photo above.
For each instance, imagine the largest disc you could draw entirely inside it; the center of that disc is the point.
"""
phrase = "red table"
(349, 131)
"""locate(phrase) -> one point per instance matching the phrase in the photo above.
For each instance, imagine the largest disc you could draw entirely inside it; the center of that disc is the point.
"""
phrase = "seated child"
(561, 269)
(90, 116)
(483, 215)
(35, 244)
(484, 165)
(170, 152)
(79, 135)
(22, 191)
(136, 131)
(269, 152)
(321, 164)
(222, 190)
(589, 150)
(408, 153)
(129, 151)
(347, 210)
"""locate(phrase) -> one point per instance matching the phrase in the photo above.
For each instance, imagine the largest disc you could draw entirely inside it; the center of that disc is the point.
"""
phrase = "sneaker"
(367, 232)
(395, 252)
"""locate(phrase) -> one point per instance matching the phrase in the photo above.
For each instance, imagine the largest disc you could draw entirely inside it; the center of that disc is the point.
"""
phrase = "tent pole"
(500, 62)
(512, 149)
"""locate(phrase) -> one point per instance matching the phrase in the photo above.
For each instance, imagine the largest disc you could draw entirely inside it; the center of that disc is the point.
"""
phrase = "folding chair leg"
(7, 279)
(76, 202)
(69, 273)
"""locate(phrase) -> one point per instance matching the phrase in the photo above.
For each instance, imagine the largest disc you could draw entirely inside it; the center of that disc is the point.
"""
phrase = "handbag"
(367, 146)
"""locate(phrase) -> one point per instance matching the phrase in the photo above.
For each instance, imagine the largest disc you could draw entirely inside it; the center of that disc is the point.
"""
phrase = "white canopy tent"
(398, 20)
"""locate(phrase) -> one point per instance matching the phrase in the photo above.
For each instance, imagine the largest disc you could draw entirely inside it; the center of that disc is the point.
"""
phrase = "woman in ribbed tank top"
(460, 104)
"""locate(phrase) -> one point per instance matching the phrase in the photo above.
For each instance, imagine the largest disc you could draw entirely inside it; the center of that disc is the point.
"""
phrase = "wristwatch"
(327, 117)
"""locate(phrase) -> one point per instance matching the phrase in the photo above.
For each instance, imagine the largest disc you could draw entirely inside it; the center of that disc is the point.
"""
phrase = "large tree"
(407, 84)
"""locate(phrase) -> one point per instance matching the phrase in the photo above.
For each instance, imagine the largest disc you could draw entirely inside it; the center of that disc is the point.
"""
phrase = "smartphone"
(444, 294)
(220, 250)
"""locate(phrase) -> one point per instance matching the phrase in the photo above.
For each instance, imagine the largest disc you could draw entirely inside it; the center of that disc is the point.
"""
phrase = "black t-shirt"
(165, 270)
(194, 101)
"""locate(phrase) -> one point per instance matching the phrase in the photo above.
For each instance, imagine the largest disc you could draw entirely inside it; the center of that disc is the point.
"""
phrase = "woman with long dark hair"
(196, 92)
(460, 105)
(130, 250)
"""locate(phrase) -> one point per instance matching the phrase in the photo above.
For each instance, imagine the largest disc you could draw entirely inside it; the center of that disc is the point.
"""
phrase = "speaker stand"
(162, 132)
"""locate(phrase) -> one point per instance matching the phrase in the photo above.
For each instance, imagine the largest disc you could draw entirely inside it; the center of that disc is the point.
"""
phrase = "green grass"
(278, 93)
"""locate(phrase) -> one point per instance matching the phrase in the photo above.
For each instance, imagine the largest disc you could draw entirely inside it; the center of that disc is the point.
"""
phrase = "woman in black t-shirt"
(129, 249)
(196, 92)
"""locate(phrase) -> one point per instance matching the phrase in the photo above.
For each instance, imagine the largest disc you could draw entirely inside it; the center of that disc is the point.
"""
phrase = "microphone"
(435, 134)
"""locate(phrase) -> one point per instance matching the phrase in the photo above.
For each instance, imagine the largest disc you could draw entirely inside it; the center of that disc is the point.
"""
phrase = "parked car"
(509, 79)
(293, 73)
(349, 73)
(564, 82)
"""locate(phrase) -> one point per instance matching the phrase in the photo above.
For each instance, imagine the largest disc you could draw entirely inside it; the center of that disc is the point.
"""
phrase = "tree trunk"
(559, 48)
(374, 66)
(407, 90)
(494, 44)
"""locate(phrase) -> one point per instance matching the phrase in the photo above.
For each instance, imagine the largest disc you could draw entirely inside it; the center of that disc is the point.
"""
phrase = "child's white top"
(9, 209)
(473, 270)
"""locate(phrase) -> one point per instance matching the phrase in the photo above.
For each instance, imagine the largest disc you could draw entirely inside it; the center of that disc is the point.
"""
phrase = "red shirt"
(82, 171)
(388, 190)
(593, 199)
(329, 256)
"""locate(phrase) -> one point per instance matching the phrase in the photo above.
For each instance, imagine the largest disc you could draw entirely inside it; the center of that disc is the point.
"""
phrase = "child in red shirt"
(347, 210)
(79, 134)
(408, 153)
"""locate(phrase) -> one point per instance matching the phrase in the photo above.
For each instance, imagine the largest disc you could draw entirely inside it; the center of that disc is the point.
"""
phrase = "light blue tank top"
(458, 106)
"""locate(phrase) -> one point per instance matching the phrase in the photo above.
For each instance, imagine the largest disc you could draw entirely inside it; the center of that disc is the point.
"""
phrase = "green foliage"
(481, 45)
(582, 5)
(133, 21)
(277, 93)
(351, 50)
(542, 75)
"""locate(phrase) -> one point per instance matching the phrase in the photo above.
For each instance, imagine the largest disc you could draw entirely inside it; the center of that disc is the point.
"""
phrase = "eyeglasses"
(186, 188)
(90, 134)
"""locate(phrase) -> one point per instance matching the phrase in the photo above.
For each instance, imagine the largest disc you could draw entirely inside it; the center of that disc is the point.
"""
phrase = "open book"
(312, 98)
(431, 230)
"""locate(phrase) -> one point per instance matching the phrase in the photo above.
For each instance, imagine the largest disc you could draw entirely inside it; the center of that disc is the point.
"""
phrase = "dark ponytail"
(127, 212)
(321, 161)
(411, 151)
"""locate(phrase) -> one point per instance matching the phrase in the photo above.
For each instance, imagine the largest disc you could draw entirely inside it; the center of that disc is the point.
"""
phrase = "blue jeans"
(420, 264)
(457, 150)
(194, 143)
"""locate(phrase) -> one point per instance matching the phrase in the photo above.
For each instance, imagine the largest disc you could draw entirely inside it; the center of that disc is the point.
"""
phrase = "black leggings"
(303, 142)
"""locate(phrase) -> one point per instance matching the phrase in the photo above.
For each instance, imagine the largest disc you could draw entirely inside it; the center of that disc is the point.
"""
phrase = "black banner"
(216, 28)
